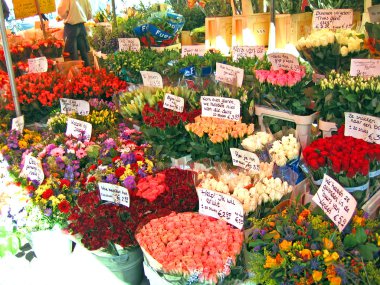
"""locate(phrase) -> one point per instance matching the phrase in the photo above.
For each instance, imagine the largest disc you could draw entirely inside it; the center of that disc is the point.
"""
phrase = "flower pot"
(186, 38)
(128, 266)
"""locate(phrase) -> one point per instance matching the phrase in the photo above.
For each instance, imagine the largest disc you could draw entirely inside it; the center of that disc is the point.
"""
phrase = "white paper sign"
(174, 103)
(78, 129)
(4, 173)
(18, 124)
(37, 65)
(335, 201)
(245, 159)
(365, 67)
(221, 206)
(285, 61)
(220, 107)
(193, 50)
(114, 193)
(229, 74)
(129, 44)
(362, 127)
(247, 51)
(33, 169)
(79, 107)
(152, 79)
(333, 18)
(374, 13)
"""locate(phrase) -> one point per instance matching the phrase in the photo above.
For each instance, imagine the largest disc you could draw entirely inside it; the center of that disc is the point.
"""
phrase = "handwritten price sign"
(79, 107)
(284, 61)
(129, 44)
(221, 206)
(114, 193)
(174, 103)
(245, 159)
(333, 19)
(78, 129)
(193, 50)
(33, 169)
(365, 67)
(152, 79)
(362, 127)
(220, 107)
(18, 124)
(37, 65)
(229, 74)
(247, 51)
(335, 201)
(374, 13)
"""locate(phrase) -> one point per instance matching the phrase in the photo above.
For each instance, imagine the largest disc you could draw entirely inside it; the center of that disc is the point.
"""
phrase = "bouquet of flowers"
(285, 150)
(373, 41)
(299, 247)
(340, 92)
(328, 50)
(258, 143)
(213, 137)
(50, 48)
(190, 246)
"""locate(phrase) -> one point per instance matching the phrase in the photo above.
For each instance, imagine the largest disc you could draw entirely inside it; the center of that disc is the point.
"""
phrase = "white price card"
(221, 206)
(79, 107)
(129, 44)
(152, 79)
(333, 19)
(78, 129)
(285, 61)
(365, 67)
(4, 173)
(174, 103)
(220, 107)
(229, 74)
(362, 127)
(374, 13)
(37, 65)
(193, 50)
(114, 193)
(33, 169)
(247, 51)
(245, 159)
(18, 124)
(338, 204)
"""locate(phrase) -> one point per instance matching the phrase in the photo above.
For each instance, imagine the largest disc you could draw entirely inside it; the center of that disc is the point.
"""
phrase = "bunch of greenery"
(217, 8)
(337, 4)
(194, 17)
(288, 7)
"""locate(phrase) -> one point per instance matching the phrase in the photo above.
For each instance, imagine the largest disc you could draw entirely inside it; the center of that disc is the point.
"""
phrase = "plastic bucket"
(128, 266)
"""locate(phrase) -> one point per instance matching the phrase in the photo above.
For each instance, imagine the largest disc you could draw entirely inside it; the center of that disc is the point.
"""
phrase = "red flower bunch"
(50, 48)
(151, 187)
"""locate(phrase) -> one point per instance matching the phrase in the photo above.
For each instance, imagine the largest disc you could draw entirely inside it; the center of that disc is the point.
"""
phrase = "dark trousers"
(76, 39)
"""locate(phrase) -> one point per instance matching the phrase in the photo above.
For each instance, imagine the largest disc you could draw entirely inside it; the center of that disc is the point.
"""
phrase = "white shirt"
(75, 11)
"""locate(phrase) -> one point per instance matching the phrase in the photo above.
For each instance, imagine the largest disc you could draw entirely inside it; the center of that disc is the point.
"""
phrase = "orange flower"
(276, 234)
(285, 245)
(335, 280)
(317, 253)
(306, 254)
(317, 275)
(359, 221)
(330, 270)
(273, 262)
(327, 243)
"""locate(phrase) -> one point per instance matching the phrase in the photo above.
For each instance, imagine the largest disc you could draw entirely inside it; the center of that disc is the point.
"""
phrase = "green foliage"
(198, 35)
(288, 7)
(337, 4)
(194, 17)
(9, 241)
(218, 8)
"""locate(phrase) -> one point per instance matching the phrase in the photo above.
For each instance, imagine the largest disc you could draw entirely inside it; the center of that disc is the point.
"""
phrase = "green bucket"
(128, 266)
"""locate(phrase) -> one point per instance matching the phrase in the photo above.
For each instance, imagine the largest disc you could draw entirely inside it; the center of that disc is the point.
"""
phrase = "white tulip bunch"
(285, 150)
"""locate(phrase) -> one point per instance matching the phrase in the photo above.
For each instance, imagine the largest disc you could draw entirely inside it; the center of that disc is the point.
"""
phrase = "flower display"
(213, 137)
(50, 48)
(298, 246)
(285, 150)
(340, 92)
(258, 143)
(372, 42)
(328, 50)
(188, 242)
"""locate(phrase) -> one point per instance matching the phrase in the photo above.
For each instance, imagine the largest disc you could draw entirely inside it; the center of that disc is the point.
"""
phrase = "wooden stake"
(41, 20)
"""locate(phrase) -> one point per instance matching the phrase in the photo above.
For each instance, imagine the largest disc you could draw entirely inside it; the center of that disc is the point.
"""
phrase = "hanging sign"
(193, 50)
(27, 8)
(335, 201)
(245, 159)
(79, 107)
(18, 124)
(285, 61)
(247, 51)
(221, 206)
(152, 79)
(333, 19)
(365, 67)
(114, 193)
(229, 74)
(220, 107)
(33, 169)
(362, 127)
(129, 44)
(78, 129)
(37, 65)
(374, 13)
(174, 103)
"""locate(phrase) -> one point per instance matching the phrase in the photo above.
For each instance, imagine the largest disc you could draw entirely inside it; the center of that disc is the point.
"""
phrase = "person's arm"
(63, 9)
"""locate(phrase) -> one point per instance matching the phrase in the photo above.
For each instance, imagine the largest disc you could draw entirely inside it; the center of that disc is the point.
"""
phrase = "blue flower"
(314, 264)
(297, 269)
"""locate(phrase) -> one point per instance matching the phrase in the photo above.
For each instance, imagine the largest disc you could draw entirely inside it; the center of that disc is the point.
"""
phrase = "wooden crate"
(291, 27)
(250, 30)
(219, 33)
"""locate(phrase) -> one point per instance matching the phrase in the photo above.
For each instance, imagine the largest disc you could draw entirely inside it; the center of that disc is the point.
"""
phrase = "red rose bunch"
(50, 48)
(151, 187)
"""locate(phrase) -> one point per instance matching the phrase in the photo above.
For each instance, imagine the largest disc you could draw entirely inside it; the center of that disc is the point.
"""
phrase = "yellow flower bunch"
(219, 130)
(101, 117)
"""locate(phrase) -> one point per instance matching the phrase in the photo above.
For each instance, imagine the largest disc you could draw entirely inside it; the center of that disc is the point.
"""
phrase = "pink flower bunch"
(189, 242)
(281, 77)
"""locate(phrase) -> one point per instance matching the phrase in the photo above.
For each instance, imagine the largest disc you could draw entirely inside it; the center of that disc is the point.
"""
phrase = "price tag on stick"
(129, 44)
(362, 127)
(374, 13)
(78, 129)
(37, 65)
(365, 67)
(285, 61)
(18, 124)
(229, 74)
(247, 51)
(245, 159)
(333, 18)
(221, 206)
(174, 103)
(114, 193)
(33, 169)
(338, 204)
(152, 79)
(220, 107)
(79, 107)
(193, 50)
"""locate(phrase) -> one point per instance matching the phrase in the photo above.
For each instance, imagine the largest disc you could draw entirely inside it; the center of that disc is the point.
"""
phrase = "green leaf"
(367, 251)
(212, 152)
(257, 242)
(350, 241)
(351, 98)
(30, 255)
(26, 247)
(20, 254)
(361, 236)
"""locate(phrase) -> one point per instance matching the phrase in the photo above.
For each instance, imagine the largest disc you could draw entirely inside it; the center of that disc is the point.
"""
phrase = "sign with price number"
(365, 67)
(221, 206)
(220, 107)
(152, 79)
(374, 13)
(335, 201)
(79, 107)
(27, 8)
(229, 74)
(78, 129)
(18, 124)
(333, 19)
(193, 50)
(245, 159)
(37, 65)
(33, 169)
(247, 51)
(174, 103)
(362, 127)
(114, 193)
(129, 44)
(285, 61)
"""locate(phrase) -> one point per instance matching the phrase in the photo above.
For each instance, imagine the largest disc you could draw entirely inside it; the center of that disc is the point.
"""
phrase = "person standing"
(75, 13)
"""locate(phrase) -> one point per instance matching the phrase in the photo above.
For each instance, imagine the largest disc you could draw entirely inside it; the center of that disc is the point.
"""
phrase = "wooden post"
(114, 14)
(41, 20)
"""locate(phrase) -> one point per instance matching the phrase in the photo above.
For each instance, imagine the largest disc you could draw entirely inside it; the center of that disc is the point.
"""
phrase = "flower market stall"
(198, 164)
